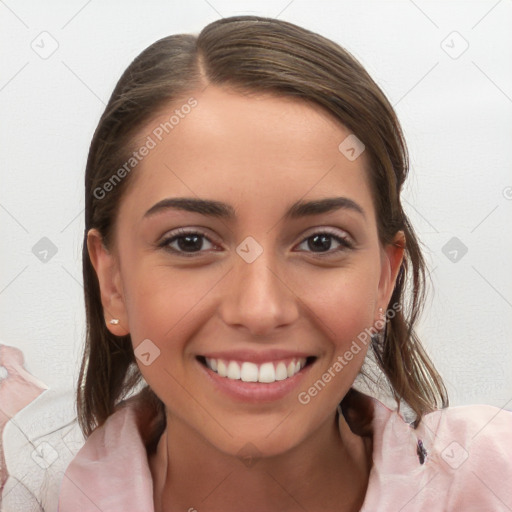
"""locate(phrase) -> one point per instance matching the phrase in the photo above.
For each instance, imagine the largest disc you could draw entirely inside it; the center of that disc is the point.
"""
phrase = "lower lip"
(255, 391)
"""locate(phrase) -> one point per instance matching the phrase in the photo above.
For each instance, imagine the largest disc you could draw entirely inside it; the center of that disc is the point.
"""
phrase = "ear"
(392, 255)
(107, 269)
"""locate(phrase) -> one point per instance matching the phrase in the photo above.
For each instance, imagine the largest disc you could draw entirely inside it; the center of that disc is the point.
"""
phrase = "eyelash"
(345, 243)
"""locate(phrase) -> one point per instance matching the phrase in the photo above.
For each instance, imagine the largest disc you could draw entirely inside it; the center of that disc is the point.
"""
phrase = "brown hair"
(253, 54)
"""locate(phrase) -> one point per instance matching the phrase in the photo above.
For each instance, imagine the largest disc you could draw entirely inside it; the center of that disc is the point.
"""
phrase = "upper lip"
(256, 357)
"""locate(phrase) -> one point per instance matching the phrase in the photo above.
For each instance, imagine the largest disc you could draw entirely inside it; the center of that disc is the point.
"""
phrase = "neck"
(327, 471)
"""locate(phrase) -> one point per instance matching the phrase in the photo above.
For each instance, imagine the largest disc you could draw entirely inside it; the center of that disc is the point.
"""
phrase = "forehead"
(253, 149)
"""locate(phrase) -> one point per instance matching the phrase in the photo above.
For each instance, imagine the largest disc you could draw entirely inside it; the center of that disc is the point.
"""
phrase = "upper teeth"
(251, 372)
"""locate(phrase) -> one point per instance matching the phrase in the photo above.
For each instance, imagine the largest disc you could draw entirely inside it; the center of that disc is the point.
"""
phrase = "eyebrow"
(222, 210)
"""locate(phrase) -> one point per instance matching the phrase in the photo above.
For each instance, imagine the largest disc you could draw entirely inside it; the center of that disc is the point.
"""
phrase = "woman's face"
(257, 284)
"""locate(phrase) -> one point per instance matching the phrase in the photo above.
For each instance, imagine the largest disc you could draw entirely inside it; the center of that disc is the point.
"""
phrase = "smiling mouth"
(247, 371)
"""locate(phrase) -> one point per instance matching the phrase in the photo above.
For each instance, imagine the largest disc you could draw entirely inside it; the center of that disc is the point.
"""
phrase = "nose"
(258, 298)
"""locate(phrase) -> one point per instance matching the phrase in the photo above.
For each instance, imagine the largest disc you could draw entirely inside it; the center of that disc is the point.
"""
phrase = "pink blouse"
(458, 459)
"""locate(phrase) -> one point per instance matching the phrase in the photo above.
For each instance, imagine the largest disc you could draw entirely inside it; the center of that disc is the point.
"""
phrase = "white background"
(456, 114)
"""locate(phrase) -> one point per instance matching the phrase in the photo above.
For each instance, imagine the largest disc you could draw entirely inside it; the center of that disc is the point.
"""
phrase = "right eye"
(184, 242)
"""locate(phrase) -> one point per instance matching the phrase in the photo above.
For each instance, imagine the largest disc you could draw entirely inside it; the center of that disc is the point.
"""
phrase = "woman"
(245, 251)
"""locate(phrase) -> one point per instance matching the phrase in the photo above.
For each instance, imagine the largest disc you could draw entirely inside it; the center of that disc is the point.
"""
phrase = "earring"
(114, 321)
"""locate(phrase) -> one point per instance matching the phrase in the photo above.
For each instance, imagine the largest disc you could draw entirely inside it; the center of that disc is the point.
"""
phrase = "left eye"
(323, 241)
(189, 243)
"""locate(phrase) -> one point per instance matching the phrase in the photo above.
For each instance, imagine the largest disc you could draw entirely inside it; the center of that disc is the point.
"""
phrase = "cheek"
(345, 314)
(162, 302)
(165, 306)
(344, 301)
(350, 316)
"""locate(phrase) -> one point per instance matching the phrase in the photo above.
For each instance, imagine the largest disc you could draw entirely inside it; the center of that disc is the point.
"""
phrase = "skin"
(260, 154)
